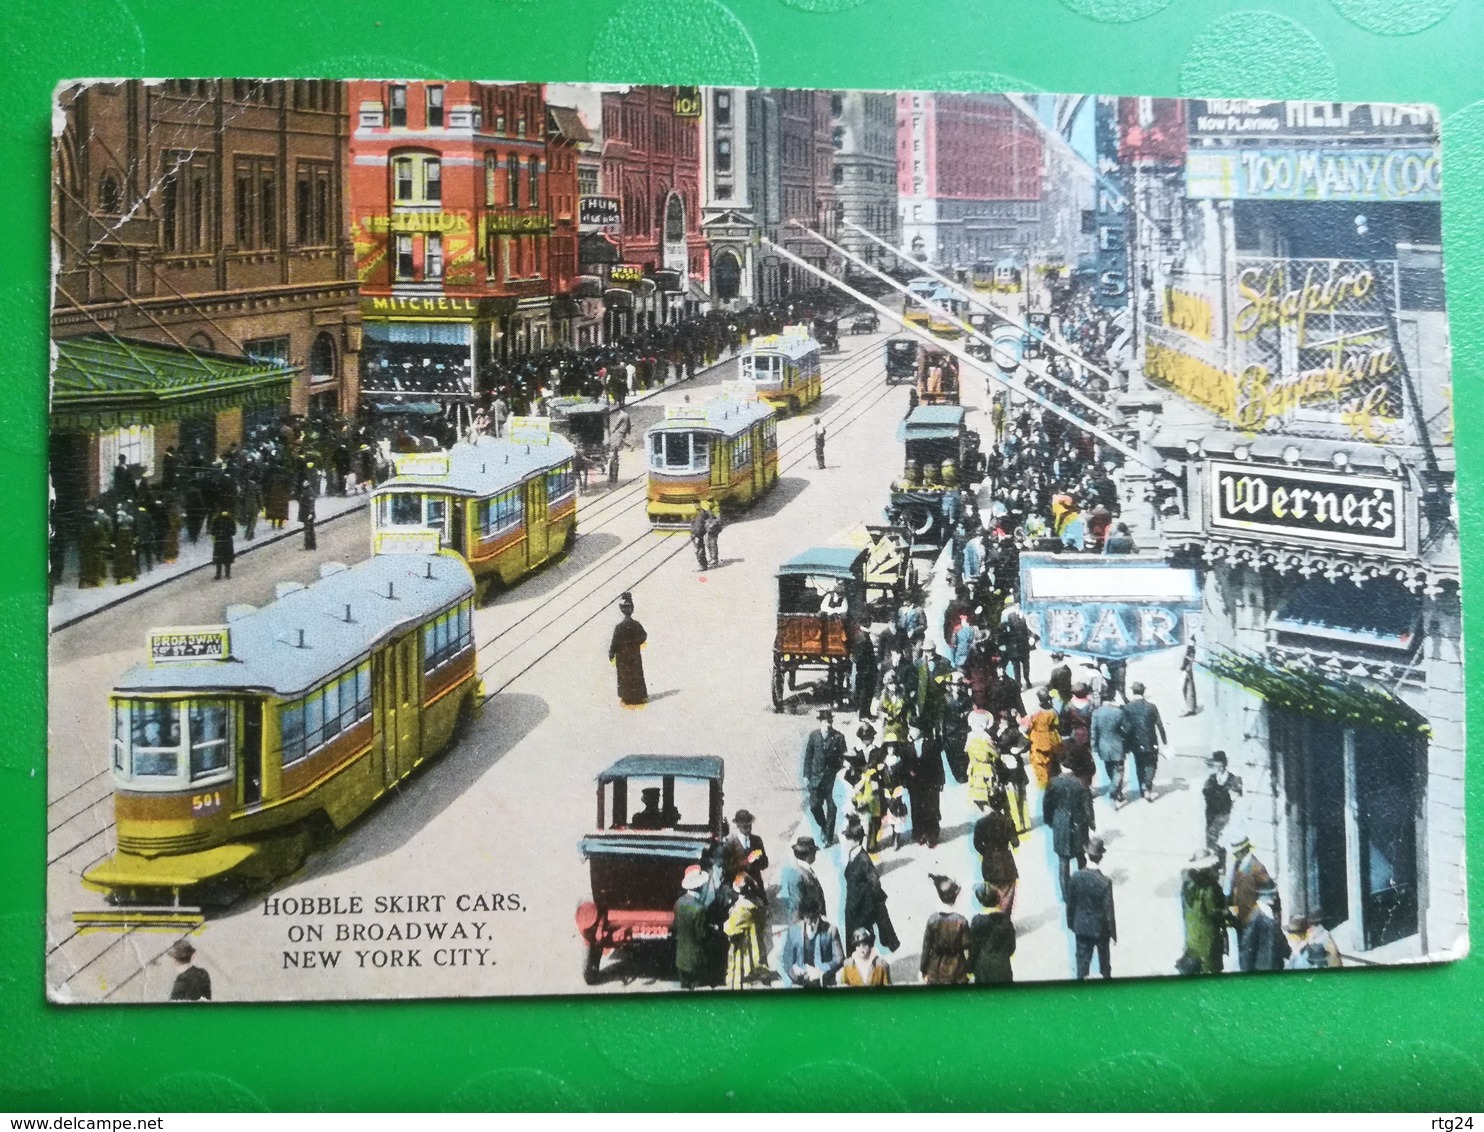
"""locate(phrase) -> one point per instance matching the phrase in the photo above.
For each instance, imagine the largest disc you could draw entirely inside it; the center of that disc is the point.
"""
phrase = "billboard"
(1109, 607)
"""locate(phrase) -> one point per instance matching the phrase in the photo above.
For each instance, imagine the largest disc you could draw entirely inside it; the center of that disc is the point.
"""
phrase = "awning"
(1380, 613)
(619, 298)
(565, 306)
(595, 248)
(102, 383)
(1302, 690)
(667, 280)
(587, 287)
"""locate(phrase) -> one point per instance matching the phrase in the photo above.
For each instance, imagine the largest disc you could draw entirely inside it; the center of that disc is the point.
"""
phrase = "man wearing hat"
(824, 756)
(925, 781)
(812, 952)
(1060, 680)
(1066, 808)
(651, 816)
(1261, 945)
(1221, 789)
(1145, 732)
(192, 984)
(798, 879)
(743, 852)
(692, 943)
(945, 942)
(1090, 914)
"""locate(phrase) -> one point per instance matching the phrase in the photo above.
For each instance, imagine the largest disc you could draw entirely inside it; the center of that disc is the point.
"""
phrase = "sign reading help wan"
(1111, 608)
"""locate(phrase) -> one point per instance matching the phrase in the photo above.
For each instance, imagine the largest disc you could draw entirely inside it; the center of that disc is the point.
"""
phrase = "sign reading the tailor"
(1350, 510)
(1108, 607)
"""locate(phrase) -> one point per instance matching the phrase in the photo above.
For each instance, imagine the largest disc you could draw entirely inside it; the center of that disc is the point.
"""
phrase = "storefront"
(1331, 623)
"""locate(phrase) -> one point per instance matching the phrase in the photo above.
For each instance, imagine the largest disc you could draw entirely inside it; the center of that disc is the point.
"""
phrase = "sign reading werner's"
(1352, 510)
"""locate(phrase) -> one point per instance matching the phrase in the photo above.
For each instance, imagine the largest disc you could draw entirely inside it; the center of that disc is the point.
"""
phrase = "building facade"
(863, 172)
(652, 167)
(969, 171)
(463, 211)
(205, 277)
(1289, 295)
(807, 194)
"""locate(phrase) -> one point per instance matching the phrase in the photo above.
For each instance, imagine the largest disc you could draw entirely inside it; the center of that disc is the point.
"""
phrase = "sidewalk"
(71, 604)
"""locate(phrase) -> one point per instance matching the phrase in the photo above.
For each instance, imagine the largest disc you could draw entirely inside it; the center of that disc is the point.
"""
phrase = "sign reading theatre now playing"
(1352, 510)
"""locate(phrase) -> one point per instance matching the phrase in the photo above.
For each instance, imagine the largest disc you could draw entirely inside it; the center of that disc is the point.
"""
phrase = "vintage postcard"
(530, 539)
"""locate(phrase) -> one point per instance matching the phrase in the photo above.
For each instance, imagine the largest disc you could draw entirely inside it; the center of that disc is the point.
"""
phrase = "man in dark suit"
(1066, 808)
(192, 984)
(1144, 732)
(1261, 945)
(1108, 743)
(743, 852)
(1090, 913)
(824, 756)
(1219, 793)
(812, 953)
(865, 901)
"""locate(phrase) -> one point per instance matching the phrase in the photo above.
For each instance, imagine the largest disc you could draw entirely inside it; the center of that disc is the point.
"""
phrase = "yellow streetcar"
(783, 369)
(504, 505)
(725, 450)
(238, 744)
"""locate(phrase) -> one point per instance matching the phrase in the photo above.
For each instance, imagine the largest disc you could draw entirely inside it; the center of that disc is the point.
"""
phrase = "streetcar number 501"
(203, 803)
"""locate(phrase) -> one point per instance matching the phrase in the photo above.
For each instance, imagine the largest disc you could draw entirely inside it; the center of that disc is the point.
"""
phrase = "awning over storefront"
(1380, 614)
(1328, 696)
(619, 299)
(587, 287)
(595, 248)
(667, 280)
(101, 383)
(565, 306)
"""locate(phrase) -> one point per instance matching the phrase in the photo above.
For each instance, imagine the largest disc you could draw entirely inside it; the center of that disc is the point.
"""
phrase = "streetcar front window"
(406, 510)
(678, 452)
(172, 744)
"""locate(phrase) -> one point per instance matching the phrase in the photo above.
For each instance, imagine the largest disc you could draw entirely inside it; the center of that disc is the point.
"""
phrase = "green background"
(1406, 1038)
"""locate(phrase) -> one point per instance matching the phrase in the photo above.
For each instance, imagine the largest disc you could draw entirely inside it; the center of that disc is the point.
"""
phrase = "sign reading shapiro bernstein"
(1353, 510)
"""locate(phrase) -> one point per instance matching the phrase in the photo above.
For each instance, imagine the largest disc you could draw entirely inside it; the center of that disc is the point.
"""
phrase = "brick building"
(205, 280)
(464, 214)
(652, 165)
(970, 169)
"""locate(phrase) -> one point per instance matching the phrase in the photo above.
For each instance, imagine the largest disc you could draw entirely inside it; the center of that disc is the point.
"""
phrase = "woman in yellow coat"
(1043, 729)
(743, 931)
(983, 761)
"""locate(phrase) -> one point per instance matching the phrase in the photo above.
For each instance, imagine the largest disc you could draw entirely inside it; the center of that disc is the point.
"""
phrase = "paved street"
(503, 812)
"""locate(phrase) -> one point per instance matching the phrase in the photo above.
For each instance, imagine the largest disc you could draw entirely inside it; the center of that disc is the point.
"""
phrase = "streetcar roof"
(827, 561)
(932, 422)
(487, 467)
(575, 406)
(664, 766)
(725, 415)
(266, 654)
(789, 345)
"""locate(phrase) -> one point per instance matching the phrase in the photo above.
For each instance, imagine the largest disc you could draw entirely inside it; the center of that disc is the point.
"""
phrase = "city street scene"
(529, 539)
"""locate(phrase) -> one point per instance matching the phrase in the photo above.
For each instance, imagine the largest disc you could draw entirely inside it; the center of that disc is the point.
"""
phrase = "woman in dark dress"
(628, 638)
(994, 839)
(991, 940)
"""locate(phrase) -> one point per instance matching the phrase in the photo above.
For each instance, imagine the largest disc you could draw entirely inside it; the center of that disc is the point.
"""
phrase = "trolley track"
(654, 551)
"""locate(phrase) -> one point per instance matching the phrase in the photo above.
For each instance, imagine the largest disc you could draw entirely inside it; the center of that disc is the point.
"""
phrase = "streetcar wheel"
(777, 687)
(590, 963)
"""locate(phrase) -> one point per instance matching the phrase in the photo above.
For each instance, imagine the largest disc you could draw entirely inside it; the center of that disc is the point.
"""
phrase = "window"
(267, 349)
(330, 709)
(448, 635)
(168, 744)
(679, 451)
(399, 105)
(268, 206)
(312, 204)
(512, 177)
(402, 265)
(520, 125)
(491, 169)
(741, 452)
(435, 107)
(560, 483)
(533, 196)
(322, 358)
(722, 103)
(417, 179)
(723, 155)
(108, 195)
(433, 257)
(500, 513)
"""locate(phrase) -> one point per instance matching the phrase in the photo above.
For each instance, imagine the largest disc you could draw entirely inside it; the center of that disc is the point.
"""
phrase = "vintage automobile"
(940, 451)
(657, 815)
(821, 603)
(827, 334)
(867, 322)
(901, 361)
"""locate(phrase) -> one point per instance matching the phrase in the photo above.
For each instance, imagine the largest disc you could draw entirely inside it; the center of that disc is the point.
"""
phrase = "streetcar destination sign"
(190, 643)
(1310, 506)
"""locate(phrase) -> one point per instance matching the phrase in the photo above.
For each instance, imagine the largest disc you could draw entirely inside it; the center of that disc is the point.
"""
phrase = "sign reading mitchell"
(1353, 510)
